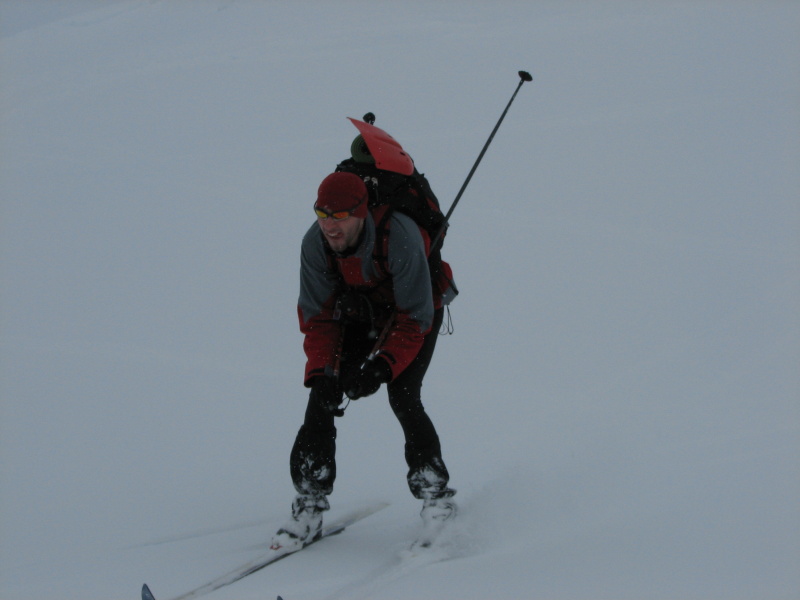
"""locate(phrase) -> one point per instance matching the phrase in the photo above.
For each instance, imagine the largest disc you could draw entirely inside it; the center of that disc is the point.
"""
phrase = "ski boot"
(437, 510)
(305, 526)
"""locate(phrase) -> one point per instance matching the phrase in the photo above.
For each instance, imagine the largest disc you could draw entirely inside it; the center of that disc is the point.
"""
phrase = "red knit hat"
(343, 191)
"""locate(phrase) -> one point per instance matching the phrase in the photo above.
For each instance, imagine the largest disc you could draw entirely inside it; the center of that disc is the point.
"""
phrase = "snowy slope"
(619, 403)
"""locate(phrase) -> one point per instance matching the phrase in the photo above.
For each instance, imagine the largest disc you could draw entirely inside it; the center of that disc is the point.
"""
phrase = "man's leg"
(427, 473)
(312, 464)
(313, 457)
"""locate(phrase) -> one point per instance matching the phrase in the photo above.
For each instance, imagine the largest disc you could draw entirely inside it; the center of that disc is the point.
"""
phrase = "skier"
(370, 316)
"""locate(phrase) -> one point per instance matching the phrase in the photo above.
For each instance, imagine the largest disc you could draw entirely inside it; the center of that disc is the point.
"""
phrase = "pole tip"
(525, 76)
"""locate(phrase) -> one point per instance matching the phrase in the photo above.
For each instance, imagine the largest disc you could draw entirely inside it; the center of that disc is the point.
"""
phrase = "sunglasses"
(338, 215)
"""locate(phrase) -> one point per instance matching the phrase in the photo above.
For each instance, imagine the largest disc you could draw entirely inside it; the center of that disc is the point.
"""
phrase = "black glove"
(367, 380)
(327, 393)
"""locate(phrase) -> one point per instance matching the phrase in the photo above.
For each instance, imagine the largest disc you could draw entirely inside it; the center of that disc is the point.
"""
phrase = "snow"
(618, 406)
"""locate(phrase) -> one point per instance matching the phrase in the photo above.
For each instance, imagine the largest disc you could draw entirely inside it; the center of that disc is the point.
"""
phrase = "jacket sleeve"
(408, 266)
(315, 306)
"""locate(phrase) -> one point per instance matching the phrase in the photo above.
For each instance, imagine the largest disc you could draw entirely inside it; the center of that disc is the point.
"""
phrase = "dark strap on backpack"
(380, 252)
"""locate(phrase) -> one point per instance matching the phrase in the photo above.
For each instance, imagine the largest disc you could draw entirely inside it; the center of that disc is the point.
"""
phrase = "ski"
(273, 556)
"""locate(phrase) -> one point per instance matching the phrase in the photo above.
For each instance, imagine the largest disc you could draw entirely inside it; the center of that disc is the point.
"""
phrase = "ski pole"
(523, 77)
(379, 340)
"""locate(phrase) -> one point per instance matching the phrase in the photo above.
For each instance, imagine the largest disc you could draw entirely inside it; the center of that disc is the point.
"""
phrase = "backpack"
(393, 181)
(409, 194)
(391, 177)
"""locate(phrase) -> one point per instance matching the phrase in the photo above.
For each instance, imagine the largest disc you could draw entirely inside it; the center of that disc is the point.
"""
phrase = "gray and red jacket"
(394, 275)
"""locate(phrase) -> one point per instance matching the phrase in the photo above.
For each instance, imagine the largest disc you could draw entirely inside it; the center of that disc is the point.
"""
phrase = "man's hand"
(366, 381)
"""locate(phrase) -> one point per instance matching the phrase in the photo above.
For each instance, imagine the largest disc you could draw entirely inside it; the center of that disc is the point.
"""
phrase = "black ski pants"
(313, 456)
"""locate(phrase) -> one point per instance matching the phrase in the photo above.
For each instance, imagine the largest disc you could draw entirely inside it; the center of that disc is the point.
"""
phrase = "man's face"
(342, 234)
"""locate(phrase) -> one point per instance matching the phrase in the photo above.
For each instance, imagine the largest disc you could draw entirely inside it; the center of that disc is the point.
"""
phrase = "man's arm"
(315, 306)
(408, 266)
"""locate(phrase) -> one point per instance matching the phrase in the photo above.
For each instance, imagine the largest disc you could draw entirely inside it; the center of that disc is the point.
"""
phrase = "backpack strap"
(380, 251)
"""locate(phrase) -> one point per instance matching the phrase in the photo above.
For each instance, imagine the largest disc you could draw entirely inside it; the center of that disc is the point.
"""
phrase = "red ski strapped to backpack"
(387, 153)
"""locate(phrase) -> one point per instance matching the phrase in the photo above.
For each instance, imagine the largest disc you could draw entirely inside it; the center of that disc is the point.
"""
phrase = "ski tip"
(146, 593)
